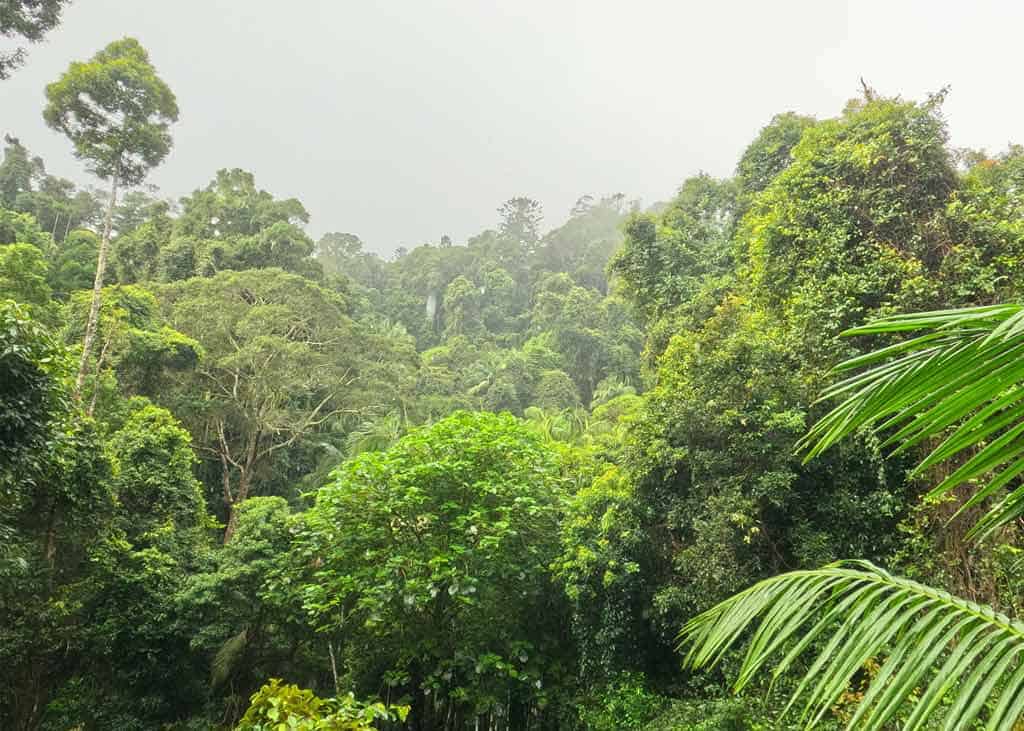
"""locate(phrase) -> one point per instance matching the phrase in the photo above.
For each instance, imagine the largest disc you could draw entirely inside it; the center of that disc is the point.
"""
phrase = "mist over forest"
(749, 457)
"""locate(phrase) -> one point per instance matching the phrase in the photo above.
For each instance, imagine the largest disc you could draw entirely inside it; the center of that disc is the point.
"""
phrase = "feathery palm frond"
(375, 434)
(227, 657)
(961, 380)
(934, 647)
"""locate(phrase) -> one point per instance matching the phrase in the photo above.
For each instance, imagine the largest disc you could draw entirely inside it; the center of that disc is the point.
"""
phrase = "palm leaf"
(227, 657)
(961, 379)
(934, 648)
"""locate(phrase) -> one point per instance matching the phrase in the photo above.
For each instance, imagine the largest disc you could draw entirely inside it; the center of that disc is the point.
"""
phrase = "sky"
(405, 120)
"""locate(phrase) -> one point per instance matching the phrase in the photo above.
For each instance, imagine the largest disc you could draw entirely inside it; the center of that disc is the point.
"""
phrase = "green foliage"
(29, 20)
(277, 707)
(932, 646)
(135, 344)
(520, 220)
(22, 228)
(561, 446)
(854, 222)
(52, 204)
(431, 561)
(56, 513)
(623, 704)
(718, 713)
(555, 391)
(74, 264)
(607, 568)
(280, 362)
(153, 478)
(667, 260)
(583, 245)
(595, 338)
(229, 224)
(23, 276)
(244, 627)
(771, 152)
(139, 254)
(115, 110)
(343, 254)
(16, 172)
(909, 390)
(32, 397)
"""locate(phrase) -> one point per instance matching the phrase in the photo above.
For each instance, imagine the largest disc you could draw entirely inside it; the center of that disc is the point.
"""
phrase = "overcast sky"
(403, 121)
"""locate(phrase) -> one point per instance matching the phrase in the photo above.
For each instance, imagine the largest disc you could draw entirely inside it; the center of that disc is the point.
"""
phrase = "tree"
(73, 265)
(153, 476)
(243, 621)
(21, 228)
(136, 347)
(26, 187)
(520, 220)
(137, 254)
(117, 112)
(16, 172)
(594, 337)
(343, 254)
(232, 224)
(27, 19)
(23, 276)
(277, 368)
(957, 385)
(430, 563)
(56, 503)
(232, 205)
(771, 152)
(32, 400)
(130, 621)
(584, 244)
(668, 259)
(461, 308)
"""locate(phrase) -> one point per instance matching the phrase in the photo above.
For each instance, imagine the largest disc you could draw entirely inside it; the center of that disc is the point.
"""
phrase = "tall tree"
(277, 368)
(117, 112)
(520, 219)
(15, 172)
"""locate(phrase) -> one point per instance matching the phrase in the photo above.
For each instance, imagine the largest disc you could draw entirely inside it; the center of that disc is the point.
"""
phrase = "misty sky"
(403, 121)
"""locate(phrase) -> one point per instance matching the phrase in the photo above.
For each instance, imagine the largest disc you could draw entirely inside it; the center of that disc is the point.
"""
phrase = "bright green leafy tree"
(430, 564)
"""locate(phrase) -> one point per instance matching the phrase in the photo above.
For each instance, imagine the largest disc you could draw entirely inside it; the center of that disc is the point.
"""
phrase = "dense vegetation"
(250, 479)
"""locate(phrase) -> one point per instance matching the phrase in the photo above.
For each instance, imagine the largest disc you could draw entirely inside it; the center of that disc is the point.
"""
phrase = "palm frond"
(937, 651)
(961, 380)
(227, 657)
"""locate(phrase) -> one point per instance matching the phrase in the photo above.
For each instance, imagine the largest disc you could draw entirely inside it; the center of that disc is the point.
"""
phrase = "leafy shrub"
(277, 707)
(624, 703)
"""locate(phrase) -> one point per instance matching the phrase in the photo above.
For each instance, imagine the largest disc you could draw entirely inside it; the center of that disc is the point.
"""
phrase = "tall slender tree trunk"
(97, 289)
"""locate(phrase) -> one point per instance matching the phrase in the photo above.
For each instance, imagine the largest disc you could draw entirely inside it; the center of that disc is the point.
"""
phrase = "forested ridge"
(251, 480)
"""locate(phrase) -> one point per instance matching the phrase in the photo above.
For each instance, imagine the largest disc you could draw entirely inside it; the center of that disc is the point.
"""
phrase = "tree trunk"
(97, 290)
(244, 480)
(229, 529)
(50, 548)
(245, 474)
